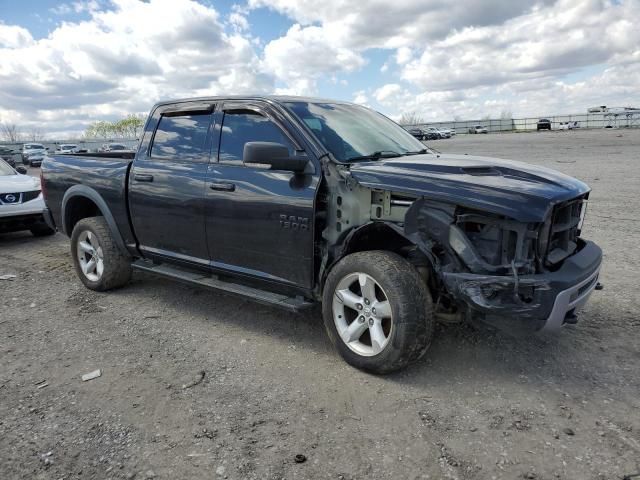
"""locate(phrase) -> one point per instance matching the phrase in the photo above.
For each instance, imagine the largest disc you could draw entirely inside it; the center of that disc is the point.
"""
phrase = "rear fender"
(89, 193)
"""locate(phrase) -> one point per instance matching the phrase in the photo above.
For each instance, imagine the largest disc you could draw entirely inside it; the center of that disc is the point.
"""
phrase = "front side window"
(242, 126)
(182, 137)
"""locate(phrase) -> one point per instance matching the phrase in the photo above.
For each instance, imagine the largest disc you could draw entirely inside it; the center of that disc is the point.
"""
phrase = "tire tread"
(117, 267)
(414, 306)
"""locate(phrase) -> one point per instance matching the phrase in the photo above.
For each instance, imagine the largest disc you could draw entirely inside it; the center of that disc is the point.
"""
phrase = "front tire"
(377, 311)
(99, 263)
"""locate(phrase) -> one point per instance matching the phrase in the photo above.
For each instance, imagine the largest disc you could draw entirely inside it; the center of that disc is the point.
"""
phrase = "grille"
(564, 230)
(10, 198)
(28, 196)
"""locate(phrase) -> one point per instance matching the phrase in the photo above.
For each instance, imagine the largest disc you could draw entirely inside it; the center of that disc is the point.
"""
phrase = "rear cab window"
(182, 137)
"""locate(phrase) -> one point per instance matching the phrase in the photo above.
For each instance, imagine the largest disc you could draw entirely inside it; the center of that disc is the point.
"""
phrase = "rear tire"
(389, 339)
(99, 263)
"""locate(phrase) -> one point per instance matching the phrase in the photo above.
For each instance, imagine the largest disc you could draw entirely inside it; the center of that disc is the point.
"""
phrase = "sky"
(64, 65)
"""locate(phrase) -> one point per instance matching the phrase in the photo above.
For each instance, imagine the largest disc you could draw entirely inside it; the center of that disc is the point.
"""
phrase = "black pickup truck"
(292, 201)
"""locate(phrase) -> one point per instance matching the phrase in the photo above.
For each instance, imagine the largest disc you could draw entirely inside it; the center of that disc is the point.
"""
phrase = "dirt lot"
(480, 405)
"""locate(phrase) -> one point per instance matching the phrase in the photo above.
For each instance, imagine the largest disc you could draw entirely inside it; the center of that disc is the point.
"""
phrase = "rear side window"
(245, 126)
(182, 137)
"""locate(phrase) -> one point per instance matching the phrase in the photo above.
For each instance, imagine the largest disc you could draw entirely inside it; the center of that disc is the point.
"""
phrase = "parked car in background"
(428, 133)
(452, 131)
(67, 148)
(34, 159)
(29, 149)
(544, 124)
(568, 125)
(7, 154)
(21, 202)
(444, 132)
(432, 133)
(115, 147)
(478, 129)
(417, 133)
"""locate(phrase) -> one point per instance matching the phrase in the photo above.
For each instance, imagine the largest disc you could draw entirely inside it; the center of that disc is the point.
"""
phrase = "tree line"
(11, 132)
(128, 127)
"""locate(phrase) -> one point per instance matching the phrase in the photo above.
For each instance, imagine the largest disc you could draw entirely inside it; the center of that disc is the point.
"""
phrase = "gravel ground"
(480, 405)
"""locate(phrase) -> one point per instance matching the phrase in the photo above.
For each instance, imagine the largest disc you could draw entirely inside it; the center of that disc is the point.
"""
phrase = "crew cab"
(292, 201)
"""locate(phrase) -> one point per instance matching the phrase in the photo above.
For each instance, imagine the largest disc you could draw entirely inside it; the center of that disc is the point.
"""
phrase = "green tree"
(128, 127)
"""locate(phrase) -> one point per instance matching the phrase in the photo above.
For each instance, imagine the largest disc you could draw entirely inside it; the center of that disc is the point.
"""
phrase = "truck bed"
(106, 173)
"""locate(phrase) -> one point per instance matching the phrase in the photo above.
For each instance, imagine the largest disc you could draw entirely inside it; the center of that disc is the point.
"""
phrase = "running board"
(292, 304)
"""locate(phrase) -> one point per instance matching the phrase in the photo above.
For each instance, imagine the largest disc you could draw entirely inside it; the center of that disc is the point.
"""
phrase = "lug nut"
(373, 310)
(361, 319)
(366, 301)
(359, 306)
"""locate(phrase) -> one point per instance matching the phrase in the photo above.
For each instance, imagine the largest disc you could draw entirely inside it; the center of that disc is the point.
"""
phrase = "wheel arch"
(369, 236)
(81, 201)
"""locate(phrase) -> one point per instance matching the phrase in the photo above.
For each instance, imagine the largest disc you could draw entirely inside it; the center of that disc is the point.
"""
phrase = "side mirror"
(21, 170)
(273, 154)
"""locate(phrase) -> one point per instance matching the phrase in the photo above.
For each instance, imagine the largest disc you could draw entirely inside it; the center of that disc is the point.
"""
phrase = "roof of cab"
(268, 98)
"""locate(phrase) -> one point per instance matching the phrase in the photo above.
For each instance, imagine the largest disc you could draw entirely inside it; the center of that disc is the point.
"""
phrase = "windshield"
(34, 146)
(5, 169)
(117, 146)
(352, 132)
(66, 147)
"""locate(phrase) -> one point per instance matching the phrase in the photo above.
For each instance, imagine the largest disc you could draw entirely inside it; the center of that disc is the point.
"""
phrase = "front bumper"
(16, 217)
(35, 162)
(529, 303)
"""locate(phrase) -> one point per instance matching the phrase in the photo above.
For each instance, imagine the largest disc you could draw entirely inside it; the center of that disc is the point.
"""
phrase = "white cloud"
(546, 43)
(443, 59)
(305, 53)
(13, 36)
(476, 57)
(360, 97)
(403, 55)
(122, 60)
(239, 21)
(380, 23)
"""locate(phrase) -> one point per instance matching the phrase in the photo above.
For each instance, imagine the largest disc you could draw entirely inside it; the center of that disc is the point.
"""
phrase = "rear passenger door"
(167, 182)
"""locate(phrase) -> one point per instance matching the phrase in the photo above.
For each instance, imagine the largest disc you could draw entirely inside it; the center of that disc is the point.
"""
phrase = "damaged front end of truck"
(510, 256)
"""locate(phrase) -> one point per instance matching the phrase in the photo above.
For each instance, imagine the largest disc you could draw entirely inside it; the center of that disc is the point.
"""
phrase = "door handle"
(140, 177)
(223, 187)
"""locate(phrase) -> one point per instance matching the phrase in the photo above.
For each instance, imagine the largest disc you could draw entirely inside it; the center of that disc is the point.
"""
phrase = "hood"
(18, 183)
(517, 190)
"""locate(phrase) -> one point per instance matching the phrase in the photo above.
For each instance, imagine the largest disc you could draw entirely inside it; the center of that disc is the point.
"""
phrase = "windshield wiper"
(417, 152)
(377, 155)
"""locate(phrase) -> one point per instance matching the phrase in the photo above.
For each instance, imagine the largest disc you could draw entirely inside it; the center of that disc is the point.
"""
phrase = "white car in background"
(478, 129)
(444, 132)
(67, 148)
(33, 153)
(21, 204)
